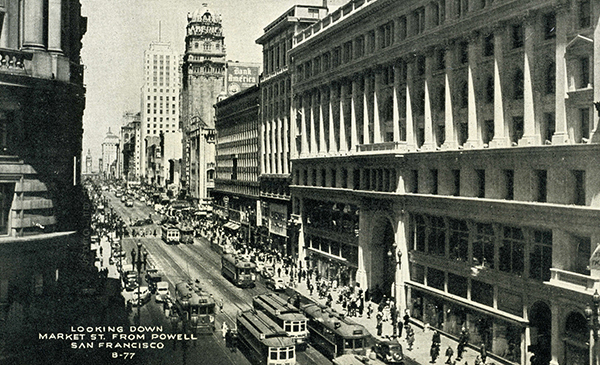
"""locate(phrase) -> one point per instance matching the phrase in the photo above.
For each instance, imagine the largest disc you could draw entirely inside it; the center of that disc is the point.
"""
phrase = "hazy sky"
(119, 31)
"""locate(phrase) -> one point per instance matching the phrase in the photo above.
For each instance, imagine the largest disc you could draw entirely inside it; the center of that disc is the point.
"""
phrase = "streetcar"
(186, 234)
(195, 307)
(285, 315)
(266, 342)
(333, 334)
(238, 271)
(170, 234)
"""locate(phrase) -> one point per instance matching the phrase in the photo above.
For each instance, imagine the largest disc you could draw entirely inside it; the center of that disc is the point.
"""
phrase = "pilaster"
(500, 129)
(473, 140)
(561, 135)
(451, 141)
(530, 137)
(429, 142)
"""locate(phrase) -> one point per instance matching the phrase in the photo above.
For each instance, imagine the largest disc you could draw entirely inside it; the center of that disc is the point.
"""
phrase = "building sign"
(278, 219)
(595, 259)
(241, 77)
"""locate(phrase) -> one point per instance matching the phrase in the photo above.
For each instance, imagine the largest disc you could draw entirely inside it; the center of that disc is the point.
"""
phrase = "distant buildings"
(110, 153)
(130, 142)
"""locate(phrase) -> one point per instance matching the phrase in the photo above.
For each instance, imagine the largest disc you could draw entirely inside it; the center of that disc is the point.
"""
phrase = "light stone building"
(445, 153)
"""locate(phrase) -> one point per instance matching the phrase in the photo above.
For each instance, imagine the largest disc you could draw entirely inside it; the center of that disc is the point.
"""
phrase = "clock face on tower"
(233, 88)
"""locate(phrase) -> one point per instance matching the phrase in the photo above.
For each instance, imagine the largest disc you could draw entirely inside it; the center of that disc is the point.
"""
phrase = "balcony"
(12, 61)
(382, 147)
(573, 281)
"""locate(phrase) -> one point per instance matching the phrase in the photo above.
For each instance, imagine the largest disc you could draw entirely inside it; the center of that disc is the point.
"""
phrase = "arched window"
(518, 84)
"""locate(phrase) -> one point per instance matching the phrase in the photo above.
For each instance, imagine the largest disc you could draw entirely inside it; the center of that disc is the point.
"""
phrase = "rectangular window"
(7, 191)
(510, 302)
(483, 245)
(549, 127)
(336, 59)
(582, 258)
(585, 12)
(549, 26)
(414, 188)
(417, 273)
(488, 131)
(480, 183)
(347, 52)
(541, 179)
(517, 129)
(579, 186)
(509, 181)
(459, 240)
(463, 48)
(517, 36)
(482, 293)
(456, 182)
(403, 30)
(488, 45)
(420, 233)
(360, 46)
(457, 285)
(511, 251)
(437, 237)
(584, 67)
(371, 41)
(419, 20)
(435, 278)
(540, 258)
(434, 181)
(386, 32)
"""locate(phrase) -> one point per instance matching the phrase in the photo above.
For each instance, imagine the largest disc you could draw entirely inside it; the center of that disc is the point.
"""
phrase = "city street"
(191, 262)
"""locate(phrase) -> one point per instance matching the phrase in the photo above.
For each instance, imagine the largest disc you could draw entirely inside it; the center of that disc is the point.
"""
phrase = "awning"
(232, 226)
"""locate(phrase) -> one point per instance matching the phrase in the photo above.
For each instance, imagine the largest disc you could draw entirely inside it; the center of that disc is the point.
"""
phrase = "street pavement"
(423, 335)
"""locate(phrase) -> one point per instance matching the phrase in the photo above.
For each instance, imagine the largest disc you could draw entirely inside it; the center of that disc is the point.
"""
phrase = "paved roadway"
(185, 262)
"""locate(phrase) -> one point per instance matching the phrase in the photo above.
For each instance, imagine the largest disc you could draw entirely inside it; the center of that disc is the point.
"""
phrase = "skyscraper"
(160, 99)
(203, 81)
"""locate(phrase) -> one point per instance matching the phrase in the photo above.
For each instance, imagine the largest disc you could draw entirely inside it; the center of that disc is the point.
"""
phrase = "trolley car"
(195, 307)
(266, 342)
(238, 271)
(333, 334)
(285, 315)
(186, 234)
(170, 234)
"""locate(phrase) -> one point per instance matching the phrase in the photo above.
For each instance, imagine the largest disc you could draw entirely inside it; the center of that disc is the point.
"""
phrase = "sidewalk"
(422, 344)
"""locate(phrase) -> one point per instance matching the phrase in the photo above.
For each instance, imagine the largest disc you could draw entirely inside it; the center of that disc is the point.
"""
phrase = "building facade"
(41, 109)
(236, 192)
(204, 68)
(444, 153)
(110, 155)
(129, 168)
(88, 162)
(275, 136)
(160, 99)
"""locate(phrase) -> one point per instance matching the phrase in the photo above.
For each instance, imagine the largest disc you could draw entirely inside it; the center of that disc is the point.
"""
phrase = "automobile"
(143, 222)
(142, 198)
(142, 293)
(276, 284)
(259, 266)
(131, 282)
(129, 203)
(267, 271)
(118, 194)
(153, 276)
(389, 351)
(162, 291)
(123, 198)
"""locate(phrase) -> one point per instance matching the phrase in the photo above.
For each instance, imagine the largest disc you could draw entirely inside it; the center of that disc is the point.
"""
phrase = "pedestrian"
(406, 317)
(477, 360)
(434, 352)
(410, 337)
(369, 310)
(483, 353)
(221, 305)
(224, 329)
(228, 338)
(279, 271)
(379, 326)
(462, 342)
(449, 353)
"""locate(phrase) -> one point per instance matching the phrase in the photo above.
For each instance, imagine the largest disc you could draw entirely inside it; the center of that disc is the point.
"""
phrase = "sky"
(119, 31)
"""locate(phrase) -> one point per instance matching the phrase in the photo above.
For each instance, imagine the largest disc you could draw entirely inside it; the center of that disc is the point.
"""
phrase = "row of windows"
(275, 57)
(161, 98)
(160, 111)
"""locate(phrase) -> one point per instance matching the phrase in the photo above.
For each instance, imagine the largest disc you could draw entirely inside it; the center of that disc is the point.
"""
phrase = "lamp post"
(592, 314)
(139, 279)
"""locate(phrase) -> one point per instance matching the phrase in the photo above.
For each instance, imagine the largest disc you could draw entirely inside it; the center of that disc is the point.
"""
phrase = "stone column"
(331, 133)
(411, 142)
(396, 106)
(561, 136)
(279, 151)
(354, 102)
(451, 141)
(473, 140)
(322, 114)
(429, 142)
(530, 136)
(366, 109)
(33, 32)
(304, 116)
(287, 133)
(313, 117)
(342, 103)
(54, 26)
(273, 148)
(377, 130)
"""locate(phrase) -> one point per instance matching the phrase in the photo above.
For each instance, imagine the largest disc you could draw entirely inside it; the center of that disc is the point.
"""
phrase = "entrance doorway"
(383, 264)
(540, 326)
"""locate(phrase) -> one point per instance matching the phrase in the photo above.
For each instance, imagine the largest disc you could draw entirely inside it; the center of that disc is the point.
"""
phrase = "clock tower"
(203, 69)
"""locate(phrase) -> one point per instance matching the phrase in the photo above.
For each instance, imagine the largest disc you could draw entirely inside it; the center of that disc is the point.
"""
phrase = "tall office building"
(129, 167)
(204, 68)
(160, 100)
(110, 155)
(445, 153)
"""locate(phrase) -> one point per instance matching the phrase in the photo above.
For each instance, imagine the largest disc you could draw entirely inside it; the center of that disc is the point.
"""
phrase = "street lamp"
(139, 280)
(398, 256)
(592, 314)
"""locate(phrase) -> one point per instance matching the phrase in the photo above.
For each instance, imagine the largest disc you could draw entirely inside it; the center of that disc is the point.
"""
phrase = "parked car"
(162, 291)
(144, 296)
(153, 276)
(276, 284)
(123, 198)
(389, 351)
(129, 203)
